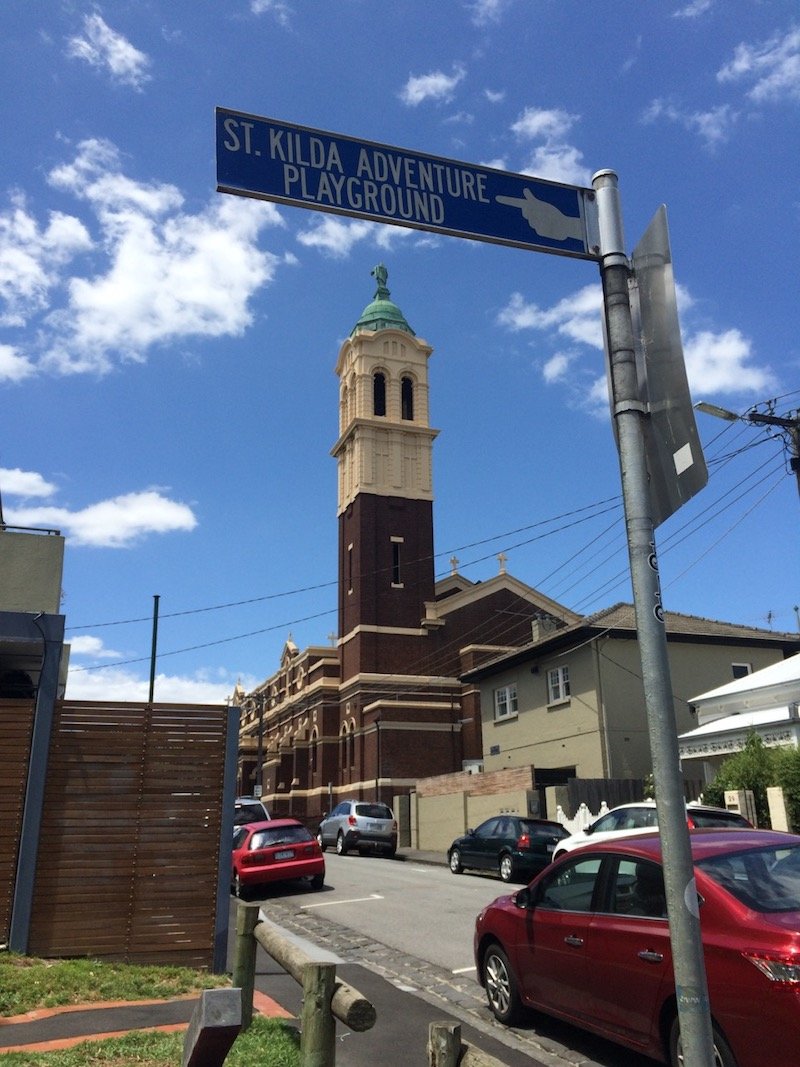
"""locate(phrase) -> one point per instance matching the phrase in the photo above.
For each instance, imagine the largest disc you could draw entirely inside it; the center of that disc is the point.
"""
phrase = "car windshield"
(373, 811)
(280, 835)
(764, 879)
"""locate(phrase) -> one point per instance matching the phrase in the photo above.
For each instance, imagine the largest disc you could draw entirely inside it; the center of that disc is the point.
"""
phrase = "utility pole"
(790, 424)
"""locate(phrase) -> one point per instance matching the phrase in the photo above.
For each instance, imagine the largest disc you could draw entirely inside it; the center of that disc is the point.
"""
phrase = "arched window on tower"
(379, 393)
(407, 399)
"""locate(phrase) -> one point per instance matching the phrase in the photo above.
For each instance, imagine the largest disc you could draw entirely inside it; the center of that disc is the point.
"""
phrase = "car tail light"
(352, 820)
(524, 841)
(394, 827)
(776, 968)
(255, 859)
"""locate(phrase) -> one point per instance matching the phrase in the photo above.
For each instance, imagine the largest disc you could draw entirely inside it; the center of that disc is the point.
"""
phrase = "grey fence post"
(213, 1028)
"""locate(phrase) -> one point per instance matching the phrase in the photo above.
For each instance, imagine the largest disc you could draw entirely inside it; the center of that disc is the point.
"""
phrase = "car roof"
(704, 843)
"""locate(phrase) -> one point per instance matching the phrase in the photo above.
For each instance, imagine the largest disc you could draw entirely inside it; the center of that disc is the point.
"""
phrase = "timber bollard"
(445, 1048)
(244, 961)
(325, 998)
(317, 1024)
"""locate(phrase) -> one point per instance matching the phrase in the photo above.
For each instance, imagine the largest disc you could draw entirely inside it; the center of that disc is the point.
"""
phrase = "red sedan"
(275, 851)
(588, 941)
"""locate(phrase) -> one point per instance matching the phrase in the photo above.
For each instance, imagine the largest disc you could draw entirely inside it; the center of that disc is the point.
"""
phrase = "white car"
(630, 819)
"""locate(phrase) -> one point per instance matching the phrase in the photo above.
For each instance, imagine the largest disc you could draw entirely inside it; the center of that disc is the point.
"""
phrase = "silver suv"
(359, 824)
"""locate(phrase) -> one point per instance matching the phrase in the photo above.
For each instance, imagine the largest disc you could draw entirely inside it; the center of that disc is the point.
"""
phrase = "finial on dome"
(380, 274)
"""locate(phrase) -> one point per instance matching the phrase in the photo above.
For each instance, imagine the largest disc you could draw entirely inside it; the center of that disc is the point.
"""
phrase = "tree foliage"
(756, 767)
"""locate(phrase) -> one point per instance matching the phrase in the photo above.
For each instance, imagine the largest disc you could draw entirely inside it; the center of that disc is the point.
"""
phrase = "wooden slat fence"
(130, 839)
(16, 728)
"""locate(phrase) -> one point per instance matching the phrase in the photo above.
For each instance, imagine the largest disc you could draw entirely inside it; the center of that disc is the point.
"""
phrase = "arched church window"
(379, 393)
(407, 399)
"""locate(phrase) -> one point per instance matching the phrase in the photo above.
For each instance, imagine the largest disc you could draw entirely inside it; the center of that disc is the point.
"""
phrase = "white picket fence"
(581, 819)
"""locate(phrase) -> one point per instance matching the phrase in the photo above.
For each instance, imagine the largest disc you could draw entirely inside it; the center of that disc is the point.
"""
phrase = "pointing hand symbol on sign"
(544, 219)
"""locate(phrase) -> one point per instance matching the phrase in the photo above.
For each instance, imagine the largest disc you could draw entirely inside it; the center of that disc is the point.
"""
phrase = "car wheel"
(506, 867)
(341, 847)
(318, 881)
(455, 862)
(501, 986)
(723, 1057)
(390, 852)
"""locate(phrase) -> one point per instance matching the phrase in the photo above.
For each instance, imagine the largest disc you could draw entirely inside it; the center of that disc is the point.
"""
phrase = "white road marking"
(333, 903)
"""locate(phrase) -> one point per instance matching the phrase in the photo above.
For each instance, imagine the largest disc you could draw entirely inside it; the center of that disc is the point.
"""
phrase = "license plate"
(373, 826)
(551, 848)
(284, 854)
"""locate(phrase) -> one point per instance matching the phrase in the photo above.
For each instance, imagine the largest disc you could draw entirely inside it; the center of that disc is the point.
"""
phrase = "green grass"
(27, 984)
(268, 1043)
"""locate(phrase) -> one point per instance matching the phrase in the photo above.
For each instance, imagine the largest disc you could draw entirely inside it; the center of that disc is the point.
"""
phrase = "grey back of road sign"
(675, 459)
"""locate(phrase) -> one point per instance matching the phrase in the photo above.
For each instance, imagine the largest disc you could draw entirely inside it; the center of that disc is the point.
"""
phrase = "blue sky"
(167, 352)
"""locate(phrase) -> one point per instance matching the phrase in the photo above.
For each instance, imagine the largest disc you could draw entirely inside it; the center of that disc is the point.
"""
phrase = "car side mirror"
(470, 831)
(524, 898)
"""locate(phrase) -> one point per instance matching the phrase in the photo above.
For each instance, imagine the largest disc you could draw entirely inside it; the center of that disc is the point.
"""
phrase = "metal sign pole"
(629, 413)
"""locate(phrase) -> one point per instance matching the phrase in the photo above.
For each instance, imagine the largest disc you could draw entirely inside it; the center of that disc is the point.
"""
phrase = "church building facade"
(366, 718)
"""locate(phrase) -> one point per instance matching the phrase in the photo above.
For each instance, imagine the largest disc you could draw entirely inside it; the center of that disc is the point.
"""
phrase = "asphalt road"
(412, 923)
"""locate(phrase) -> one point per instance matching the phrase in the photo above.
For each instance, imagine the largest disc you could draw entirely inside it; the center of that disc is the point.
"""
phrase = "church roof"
(382, 313)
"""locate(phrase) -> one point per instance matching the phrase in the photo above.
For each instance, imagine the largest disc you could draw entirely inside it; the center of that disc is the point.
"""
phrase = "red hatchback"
(588, 941)
(275, 851)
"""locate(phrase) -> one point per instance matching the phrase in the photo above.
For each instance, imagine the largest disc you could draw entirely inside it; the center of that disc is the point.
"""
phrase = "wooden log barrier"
(347, 1004)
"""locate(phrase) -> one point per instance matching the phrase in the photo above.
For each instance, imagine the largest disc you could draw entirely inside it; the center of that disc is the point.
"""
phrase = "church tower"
(385, 491)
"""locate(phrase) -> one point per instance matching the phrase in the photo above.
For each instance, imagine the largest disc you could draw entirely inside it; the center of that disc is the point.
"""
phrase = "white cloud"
(164, 273)
(555, 159)
(105, 49)
(281, 10)
(122, 684)
(721, 363)
(486, 11)
(494, 96)
(693, 10)
(434, 86)
(91, 647)
(543, 122)
(26, 484)
(13, 366)
(577, 316)
(717, 362)
(712, 126)
(774, 67)
(334, 237)
(558, 163)
(556, 367)
(31, 257)
(116, 523)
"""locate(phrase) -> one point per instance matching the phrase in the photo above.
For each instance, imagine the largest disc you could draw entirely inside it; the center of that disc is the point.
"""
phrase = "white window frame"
(744, 670)
(506, 704)
(558, 691)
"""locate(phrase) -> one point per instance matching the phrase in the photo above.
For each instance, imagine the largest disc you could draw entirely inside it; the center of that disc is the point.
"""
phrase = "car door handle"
(651, 957)
(573, 940)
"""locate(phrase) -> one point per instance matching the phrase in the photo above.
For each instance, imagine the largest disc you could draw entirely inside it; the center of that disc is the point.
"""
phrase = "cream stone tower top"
(385, 440)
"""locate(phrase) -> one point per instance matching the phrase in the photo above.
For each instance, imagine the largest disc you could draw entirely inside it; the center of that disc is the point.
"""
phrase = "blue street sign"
(304, 167)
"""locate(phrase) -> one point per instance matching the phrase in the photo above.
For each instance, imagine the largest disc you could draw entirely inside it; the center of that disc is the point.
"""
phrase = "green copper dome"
(382, 313)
